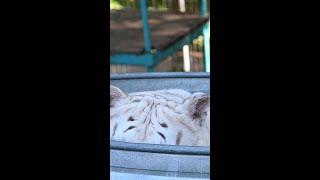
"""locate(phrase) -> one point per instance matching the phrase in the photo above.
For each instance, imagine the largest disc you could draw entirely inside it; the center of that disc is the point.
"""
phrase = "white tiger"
(172, 117)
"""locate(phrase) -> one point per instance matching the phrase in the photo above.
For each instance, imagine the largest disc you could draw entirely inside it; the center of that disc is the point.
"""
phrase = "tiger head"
(173, 117)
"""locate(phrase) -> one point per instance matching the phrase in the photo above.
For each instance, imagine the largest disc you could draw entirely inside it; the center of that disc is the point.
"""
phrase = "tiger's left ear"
(116, 95)
(197, 105)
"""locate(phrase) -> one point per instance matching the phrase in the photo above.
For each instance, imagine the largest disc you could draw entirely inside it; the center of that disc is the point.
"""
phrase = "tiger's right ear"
(116, 94)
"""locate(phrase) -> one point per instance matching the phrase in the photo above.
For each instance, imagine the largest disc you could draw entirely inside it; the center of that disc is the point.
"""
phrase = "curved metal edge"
(159, 174)
(159, 75)
(159, 148)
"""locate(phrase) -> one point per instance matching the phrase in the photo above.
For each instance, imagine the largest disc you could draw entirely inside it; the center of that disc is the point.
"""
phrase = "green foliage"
(198, 41)
(115, 4)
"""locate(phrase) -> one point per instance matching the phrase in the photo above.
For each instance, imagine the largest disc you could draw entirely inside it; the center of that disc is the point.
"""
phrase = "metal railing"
(173, 63)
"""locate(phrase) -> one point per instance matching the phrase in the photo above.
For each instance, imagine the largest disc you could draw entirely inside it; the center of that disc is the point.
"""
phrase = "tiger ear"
(197, 105)
(116, 94)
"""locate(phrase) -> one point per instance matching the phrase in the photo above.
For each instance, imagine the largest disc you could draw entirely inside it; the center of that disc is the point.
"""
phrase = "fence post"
(206, 36)
(146, 28)
(185, 49)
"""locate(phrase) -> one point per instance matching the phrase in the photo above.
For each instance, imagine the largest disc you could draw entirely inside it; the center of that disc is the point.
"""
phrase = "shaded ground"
(126, 34)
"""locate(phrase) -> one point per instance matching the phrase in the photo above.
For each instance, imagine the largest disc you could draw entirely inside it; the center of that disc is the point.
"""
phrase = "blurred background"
(173, 63)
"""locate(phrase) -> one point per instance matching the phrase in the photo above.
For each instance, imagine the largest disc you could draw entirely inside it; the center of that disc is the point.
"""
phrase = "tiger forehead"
(154, 100)
(137, 105)
(141, 103)
(175, 96)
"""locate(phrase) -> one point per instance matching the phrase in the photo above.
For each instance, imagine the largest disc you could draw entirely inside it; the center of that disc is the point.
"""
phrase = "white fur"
(152, 108)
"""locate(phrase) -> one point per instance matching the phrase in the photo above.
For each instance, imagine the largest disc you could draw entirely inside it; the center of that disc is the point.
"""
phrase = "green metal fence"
(175, 62)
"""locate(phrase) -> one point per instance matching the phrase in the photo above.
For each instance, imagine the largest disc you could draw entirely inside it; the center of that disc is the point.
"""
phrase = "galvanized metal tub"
(150, 161)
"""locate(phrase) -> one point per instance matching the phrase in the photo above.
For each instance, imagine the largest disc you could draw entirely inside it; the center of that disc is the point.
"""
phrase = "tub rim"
(160, 148)
(158, 75)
